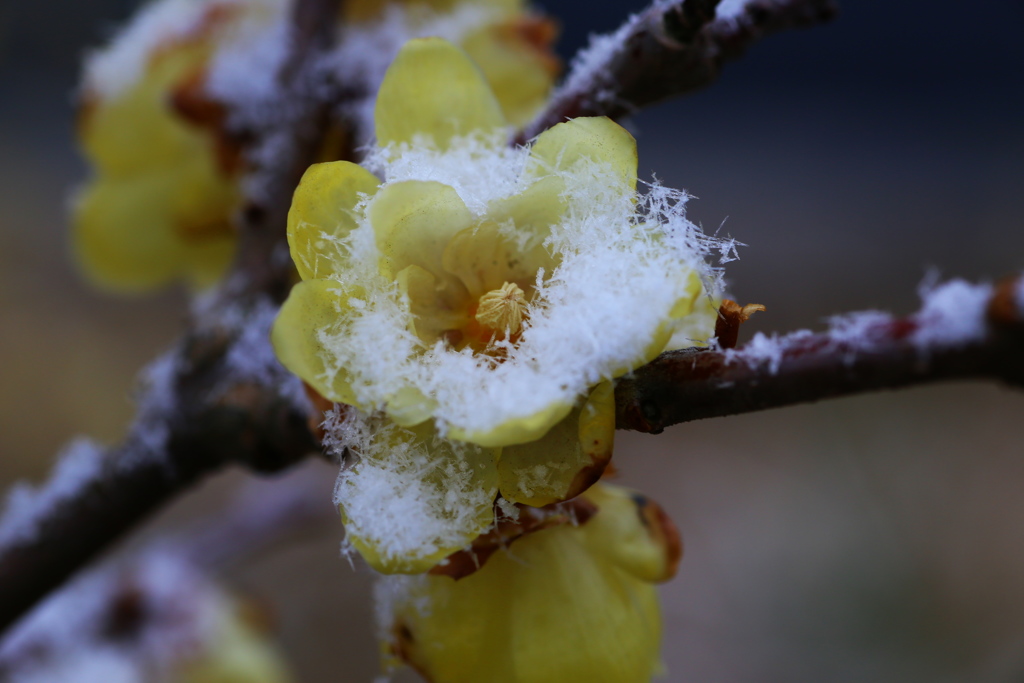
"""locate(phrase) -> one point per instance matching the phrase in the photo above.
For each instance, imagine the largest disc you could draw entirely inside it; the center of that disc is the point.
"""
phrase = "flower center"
(502, 309)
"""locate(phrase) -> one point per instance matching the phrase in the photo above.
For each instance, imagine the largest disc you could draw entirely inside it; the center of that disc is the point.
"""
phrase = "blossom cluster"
(462, 305)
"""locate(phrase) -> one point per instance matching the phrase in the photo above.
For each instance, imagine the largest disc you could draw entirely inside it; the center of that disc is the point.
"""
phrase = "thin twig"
(668, 50)
(860, 353)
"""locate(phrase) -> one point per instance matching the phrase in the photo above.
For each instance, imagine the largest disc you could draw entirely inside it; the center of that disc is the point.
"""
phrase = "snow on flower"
(399, 277)
(566, 603)
(481, 293)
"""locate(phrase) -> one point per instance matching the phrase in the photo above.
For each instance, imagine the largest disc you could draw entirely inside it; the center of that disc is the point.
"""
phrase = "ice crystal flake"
(764, 350)
(590, 65)
(952, 314)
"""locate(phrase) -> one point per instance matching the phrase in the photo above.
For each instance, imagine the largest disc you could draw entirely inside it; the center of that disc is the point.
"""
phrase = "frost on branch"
(952, 314)
(78, 466)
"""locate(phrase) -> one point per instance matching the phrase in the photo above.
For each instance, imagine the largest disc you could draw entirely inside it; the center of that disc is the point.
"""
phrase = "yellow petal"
(124, 234)
(597, 139)
(410, 407)
(232, 651)
(313, 308)
(138, 130)
(206, 262)
(516, 58)
(567, 460)
(546, 611)
(515, 431)
(323, 213)
(410, 499)
(413, 222)
(433, 89)
(533, 212)
(696, 324)
(633, 532)
(484, 260)
(433, 313)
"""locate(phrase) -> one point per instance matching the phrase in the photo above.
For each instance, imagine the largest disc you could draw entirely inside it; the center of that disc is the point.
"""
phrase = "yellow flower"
(237, 650)
(159, 205)
(482, 286)
(410, 498)
(566, 604)
(510, 44)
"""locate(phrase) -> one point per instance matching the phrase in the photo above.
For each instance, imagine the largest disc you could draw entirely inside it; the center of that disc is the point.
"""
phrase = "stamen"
(502, 309)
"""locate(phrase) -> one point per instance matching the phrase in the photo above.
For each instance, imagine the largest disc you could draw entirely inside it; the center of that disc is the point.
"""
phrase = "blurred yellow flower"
(509, 42)
(238, 650)
(565, 604)
(159, 205)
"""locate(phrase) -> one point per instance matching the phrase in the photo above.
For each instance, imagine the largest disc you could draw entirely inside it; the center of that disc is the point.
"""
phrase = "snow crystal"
(590, 65)
(481, 169)
(78, 466)
(399, 495)
(952, 313)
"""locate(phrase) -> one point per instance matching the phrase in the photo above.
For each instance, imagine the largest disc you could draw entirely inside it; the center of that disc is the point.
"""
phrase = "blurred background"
(873, 538)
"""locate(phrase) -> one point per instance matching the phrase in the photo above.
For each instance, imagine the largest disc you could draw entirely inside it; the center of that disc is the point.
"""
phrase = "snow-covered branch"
(219, 396)
(667, 50)
(962, 331)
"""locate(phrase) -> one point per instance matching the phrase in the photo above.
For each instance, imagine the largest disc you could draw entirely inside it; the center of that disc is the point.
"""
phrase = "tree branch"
(665, 51)
(961, 332)
(220, 396)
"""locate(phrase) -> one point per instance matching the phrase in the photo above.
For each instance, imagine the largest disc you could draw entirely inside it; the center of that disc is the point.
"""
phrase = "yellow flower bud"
(565, 604)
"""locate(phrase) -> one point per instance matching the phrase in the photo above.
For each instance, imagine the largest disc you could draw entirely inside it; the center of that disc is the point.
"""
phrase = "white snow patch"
(244, 71)
(251, 357)
(952, 314)
(590, 65)
(405, 495)
(78, 466)
(730, 9)
(157, 402)
(765, 349)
